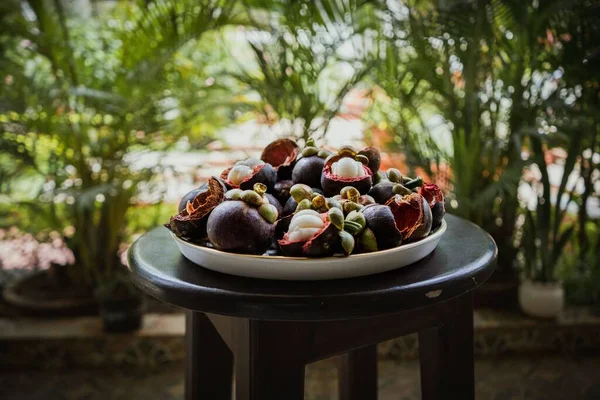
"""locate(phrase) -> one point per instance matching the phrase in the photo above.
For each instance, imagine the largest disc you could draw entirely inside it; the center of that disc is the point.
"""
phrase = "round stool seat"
(463, 260)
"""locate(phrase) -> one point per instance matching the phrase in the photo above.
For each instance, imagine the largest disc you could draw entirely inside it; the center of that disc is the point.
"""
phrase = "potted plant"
(548, 228)
(121, 304)
(81, 102)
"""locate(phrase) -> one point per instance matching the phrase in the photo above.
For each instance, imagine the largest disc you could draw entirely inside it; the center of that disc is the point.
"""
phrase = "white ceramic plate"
(302, 268)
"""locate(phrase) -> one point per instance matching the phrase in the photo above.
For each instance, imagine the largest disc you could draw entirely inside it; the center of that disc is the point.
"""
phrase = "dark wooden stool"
(272, 329)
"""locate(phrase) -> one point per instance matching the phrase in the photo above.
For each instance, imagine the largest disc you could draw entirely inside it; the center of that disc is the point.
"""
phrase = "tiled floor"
(547, 378)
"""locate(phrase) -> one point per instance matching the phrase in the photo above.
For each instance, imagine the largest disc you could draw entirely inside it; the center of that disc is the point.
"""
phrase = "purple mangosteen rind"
(413, 227)
(281, 190)
(237, 227)
(380, 220)
(282, 155)
(333, 184)
(374, 157)
(308, 171)
(190, 223)
(382, 191)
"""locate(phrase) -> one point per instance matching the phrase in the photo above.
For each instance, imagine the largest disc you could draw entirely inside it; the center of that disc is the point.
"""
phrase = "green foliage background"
(485, 87)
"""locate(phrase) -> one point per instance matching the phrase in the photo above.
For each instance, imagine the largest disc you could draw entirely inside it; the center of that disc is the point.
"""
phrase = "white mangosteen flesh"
(250, 162)
(238, 173)
(304, 225)
(347, 167)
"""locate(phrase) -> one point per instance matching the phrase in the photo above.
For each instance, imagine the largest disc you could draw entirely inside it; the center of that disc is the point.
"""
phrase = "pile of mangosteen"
(309, 202)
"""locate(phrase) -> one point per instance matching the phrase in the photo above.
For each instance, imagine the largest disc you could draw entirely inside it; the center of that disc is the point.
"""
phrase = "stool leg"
(209, 362)
(446, 353)
(269, 363)
(357, 374)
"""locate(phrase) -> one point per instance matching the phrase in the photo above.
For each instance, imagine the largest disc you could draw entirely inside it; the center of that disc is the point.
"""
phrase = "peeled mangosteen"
(191, 195)
(346, 168)
(380, 220)
(244, 174)
(191, 223)
(281, 154)
(310, 234)
(412, 215)
(434, 196)
(374, 157)
(245, 223)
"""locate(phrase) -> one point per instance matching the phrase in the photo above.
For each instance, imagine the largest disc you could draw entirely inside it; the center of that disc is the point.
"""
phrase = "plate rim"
(440, 231)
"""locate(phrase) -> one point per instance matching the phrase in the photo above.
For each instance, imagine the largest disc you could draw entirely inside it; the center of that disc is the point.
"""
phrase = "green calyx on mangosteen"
(434, 196)
(309, 166)
(412, 215)
(385, 190)
(379, 219)
(282, 155)
(309, 234)
(191, 222)
(244, 174)
(245, 223)
(346, 168)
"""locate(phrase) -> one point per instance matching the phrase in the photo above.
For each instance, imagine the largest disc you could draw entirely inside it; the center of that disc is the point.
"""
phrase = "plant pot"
(541, 299)
(42, 294)
(122, 315)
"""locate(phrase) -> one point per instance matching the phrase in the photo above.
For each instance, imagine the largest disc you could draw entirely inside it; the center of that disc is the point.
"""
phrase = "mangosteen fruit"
(245, 223)
(290, 206)
(281, 154)
(281, 190)
(308, 171)
(310, 234)
(346, 168)
(190, 223)
(309, 166)
(385, 190)
(434, 196)
(244, 174)
(380, 221)
(374, 157)
(191, 195)
(412, 215)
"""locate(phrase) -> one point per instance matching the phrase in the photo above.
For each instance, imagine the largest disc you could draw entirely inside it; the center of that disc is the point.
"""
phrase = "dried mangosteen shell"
(308, 171)
(333, 184)
(190, 196)
(237, 227)
(192, 226)
(281, 190)
(381, 222)
(324, 243)
(264, 173)
(434, 196)
(282, 155)
(374, 157)
(412, 215)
